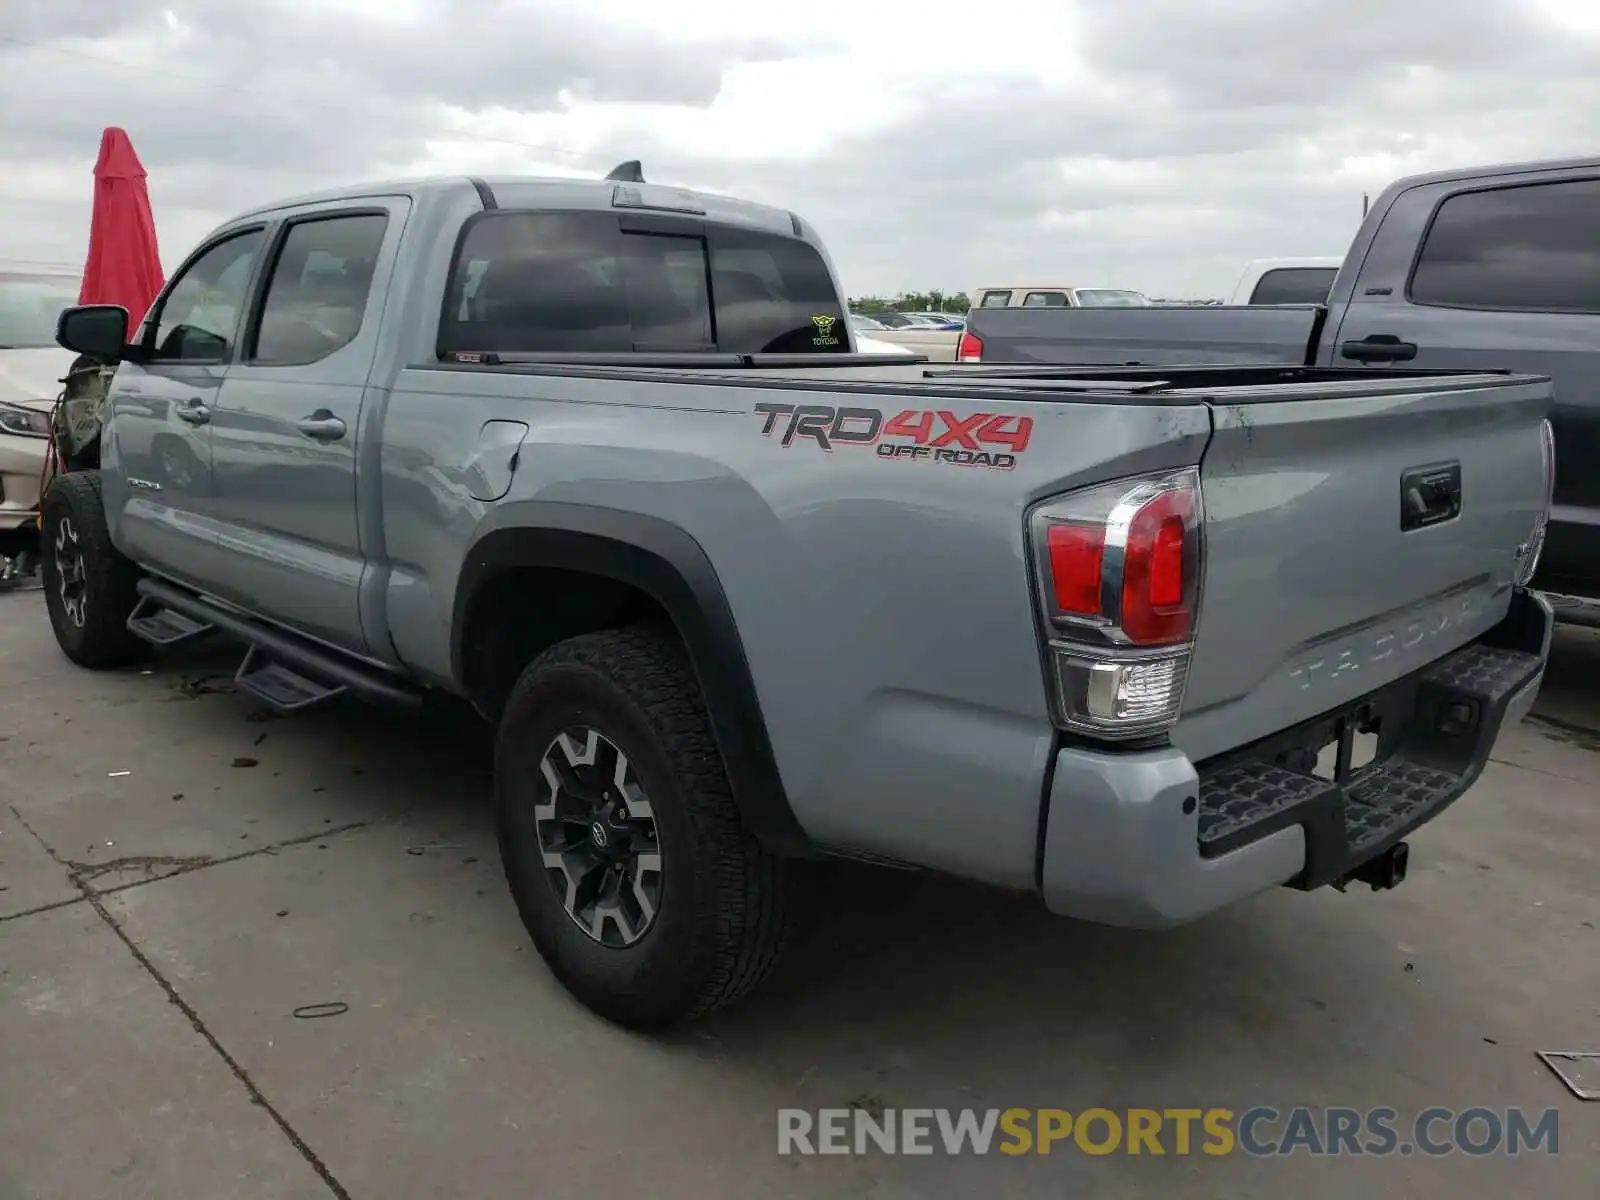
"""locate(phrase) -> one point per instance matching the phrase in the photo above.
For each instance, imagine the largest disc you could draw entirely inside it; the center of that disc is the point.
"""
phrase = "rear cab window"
(1293, 285)
(586, 282)
(995, 300)
(1045, 300)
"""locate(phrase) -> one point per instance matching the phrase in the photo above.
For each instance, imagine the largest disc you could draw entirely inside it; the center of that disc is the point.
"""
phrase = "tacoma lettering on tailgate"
(1376, 643)
(932, 435)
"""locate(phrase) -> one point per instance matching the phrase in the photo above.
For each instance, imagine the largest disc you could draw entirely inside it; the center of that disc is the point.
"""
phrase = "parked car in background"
(1285, 281)
(937, 342)
(891, 318)
(32, 366)
(941, 320)
(1486, 268)
(1054, 295)
(862, 329)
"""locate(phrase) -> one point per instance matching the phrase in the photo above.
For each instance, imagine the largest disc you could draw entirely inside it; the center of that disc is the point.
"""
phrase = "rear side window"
(1524, 249)
(580, 283)
(995, 300)
(1045, 300)
(1294, 285)
(317, 296)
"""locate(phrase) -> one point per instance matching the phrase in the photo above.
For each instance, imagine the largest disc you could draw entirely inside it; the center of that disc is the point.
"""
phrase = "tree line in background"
(935, 301)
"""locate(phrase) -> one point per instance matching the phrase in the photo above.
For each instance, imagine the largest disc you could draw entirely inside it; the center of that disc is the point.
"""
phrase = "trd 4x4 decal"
(935, 435)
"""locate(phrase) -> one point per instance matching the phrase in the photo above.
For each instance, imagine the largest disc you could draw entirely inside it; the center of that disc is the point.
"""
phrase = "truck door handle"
(193, 412)
(322, 426)
(1379, 347)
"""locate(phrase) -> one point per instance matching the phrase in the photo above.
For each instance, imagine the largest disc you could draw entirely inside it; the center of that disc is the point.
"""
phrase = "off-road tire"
(719, 925)
(74, 513)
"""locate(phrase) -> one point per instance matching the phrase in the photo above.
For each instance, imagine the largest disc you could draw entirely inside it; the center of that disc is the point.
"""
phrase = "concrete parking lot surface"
(179, 875)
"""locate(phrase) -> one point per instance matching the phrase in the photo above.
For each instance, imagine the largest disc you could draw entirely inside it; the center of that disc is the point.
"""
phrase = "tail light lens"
(1119, 586)
(1530, 556)
(970, 348)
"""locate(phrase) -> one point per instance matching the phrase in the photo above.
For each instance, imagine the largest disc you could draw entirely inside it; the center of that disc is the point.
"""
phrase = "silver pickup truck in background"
(595, 456)
(1492, 268)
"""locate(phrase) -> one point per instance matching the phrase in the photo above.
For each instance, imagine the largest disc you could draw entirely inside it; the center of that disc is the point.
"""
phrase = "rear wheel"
(89, 585)
(627, 858)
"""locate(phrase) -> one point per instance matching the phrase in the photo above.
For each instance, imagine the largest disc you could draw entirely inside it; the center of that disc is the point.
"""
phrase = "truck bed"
(1157, 335)
(1315, 584)
(1089, 383)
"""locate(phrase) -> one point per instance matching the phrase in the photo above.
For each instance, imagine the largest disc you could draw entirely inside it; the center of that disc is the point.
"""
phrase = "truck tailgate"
(1353, 535)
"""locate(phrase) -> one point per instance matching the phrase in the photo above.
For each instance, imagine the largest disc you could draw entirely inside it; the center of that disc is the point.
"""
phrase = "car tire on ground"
(89, 585)
(635, 877)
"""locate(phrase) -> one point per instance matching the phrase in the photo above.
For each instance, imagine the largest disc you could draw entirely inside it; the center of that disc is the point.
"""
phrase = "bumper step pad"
(1436, 730)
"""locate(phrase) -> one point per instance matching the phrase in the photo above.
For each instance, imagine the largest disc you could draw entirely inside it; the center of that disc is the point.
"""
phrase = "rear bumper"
(1150, 840)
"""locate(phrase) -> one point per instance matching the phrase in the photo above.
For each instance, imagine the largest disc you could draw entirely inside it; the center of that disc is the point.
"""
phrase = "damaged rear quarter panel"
(882, 595)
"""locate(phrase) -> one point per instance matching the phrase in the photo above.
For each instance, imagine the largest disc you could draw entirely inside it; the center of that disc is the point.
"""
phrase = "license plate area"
(1338, 746)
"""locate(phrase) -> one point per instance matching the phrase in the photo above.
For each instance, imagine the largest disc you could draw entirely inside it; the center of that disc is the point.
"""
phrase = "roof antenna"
(628, 172)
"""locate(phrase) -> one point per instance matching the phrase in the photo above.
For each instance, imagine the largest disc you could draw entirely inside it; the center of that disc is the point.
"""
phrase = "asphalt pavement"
(247, 956)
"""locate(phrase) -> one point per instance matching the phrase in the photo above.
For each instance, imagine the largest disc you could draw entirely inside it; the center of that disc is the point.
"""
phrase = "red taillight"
(1076, 552)
(1153, 608)
(1119, 569)
(970, 348)
(1154, 523)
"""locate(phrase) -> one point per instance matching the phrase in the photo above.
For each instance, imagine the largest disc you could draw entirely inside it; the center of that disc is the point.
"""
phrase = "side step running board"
(165, 626)
(284, 671)
(281, 687)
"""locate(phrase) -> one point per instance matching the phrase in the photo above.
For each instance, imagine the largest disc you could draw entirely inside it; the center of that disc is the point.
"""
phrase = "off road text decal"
(990, 440)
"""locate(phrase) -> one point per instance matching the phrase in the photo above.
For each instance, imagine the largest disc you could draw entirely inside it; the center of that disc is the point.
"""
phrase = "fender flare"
(667, 564)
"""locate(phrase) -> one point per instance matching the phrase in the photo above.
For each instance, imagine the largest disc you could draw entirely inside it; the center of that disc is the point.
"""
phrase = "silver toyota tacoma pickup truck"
(598, 457)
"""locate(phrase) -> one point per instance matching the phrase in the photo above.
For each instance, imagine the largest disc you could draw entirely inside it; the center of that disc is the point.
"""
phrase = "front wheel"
(626, 856)
(90, 587)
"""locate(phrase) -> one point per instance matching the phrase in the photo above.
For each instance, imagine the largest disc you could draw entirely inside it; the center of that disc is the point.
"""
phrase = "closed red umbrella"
(124, 264)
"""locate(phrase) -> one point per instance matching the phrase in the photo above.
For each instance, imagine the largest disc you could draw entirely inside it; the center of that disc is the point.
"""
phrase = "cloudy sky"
(1154, 144)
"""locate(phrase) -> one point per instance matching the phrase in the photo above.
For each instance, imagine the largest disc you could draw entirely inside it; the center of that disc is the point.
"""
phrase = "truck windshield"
(29, 306)
(553, 282)
(1110, 298)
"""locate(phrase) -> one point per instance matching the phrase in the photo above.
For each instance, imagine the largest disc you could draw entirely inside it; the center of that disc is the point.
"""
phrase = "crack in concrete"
(43, 908)
(82, 872)
(201, 862)
(257, 1097)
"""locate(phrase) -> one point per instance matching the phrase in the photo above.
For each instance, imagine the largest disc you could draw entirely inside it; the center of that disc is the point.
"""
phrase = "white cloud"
(1138, 143)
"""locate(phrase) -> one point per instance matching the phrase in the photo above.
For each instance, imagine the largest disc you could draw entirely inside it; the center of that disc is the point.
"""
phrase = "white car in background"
(905, 336)
(861, 330)
(32, 366)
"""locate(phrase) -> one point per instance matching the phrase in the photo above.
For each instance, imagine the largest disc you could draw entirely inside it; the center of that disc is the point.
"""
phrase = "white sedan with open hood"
(31, 369)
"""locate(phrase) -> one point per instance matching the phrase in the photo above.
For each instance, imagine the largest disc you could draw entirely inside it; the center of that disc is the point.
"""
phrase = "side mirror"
(98, 330)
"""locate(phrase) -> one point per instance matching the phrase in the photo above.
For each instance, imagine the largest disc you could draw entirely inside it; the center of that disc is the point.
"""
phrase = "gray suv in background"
(1483, 269)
